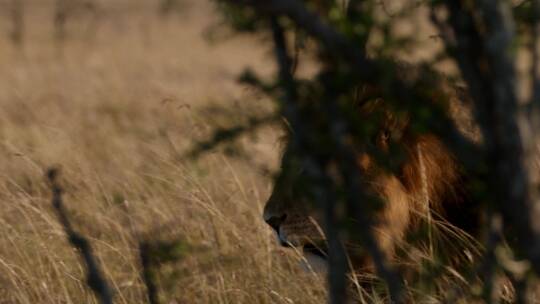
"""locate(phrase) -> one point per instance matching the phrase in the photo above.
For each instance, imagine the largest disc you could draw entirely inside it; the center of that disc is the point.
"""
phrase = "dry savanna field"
(117, 100)
(116, 104)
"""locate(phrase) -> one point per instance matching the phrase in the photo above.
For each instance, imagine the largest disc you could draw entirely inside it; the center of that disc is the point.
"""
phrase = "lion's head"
(429, 181)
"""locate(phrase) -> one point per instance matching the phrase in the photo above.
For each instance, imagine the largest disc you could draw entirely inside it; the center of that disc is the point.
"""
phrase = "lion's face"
(426, 181)
(428, 174)
(290, 212)
(299, 224)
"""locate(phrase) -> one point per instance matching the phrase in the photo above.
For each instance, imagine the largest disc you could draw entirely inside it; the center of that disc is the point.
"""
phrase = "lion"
(429, 187)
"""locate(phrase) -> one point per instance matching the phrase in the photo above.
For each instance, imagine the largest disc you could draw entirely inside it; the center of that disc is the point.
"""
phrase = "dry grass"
(116, 108)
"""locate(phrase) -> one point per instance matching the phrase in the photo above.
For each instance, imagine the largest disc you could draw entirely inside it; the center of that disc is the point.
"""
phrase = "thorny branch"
(94, 276)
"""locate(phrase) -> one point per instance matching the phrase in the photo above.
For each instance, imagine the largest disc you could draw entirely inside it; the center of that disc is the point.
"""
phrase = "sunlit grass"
(116, 112)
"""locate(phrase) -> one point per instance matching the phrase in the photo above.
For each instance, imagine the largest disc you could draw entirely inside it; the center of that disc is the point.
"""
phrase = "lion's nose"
(275, 221)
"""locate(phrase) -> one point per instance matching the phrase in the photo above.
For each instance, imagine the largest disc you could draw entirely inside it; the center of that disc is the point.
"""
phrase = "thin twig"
(94, 276)
(228, 134)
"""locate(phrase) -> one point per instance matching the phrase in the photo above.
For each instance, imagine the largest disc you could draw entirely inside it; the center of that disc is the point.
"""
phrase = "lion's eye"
(385, 136)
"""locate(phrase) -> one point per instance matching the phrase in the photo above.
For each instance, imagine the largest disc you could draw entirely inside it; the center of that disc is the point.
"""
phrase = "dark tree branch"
(95, 279)
(333, 41)
(314, 167)
(356, 200)
(367, 70)
(488, 67)
(228, 134)
(534, 104)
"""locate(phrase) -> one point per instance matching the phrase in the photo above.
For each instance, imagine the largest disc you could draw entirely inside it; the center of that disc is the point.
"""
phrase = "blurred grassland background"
(115, 104)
